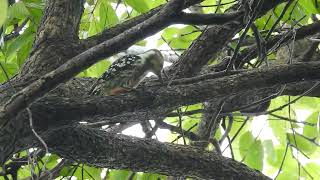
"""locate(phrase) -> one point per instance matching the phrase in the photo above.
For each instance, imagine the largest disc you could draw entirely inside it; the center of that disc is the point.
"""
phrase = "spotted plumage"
(125, 63)
(127, 72)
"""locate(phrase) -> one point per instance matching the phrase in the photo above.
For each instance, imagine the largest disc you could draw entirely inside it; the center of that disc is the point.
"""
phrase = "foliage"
(3, 12)
(295, 144)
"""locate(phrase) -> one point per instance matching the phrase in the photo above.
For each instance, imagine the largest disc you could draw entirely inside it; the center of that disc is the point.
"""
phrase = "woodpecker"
(127, 72)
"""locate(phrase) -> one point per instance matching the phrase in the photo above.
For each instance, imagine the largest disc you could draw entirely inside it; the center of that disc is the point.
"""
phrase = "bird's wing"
(118, 71)
(125, 64)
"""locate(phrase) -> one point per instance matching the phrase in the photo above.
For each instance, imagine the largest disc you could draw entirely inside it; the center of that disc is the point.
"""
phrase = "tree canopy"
(239, 99)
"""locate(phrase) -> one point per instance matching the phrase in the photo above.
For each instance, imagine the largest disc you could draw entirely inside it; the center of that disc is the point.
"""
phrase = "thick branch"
(56, 40)
(206, 19)
(61, 21)
(75, 65)
(123, 152)
(55, 111)
(22, 99)
(195, 90)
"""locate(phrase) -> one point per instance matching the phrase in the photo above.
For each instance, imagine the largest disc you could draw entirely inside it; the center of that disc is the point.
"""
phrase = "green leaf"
(269, 150)
(87, 172)
(188, 33)
(279, 127)
(309, 103)
(301, 143)
(108, 16)
(312, 131)
(90, 2)
(189, 122)
(296, 13)
(93, 28)
(10, 69)
(255, 156)
(51, 161)
(141, 6)
(85, 23)
(142, 43)
(19, 10)
(289, 168)
(36, 11)
(313, 169)
(3, 12)
(179, 37)
(308, 6)
(149, 176)
(119, 174)
(246, 140)
(23, 53)
(251, 150)
(24, 39)
(97, 69)
(285, 175)
(33, 5)
(276, 156)
(237, 123)
(66, 171)
(153, 4)
(24, 172)
(169, 32)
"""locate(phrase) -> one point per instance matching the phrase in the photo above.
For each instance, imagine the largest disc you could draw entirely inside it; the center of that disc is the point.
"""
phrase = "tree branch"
(206, 19)
(37, 89)
(56, 40)
(210, 42)
(54, 110)
(61, 21)
(120, 28)
(149, 98)
(279, 41)
(123, 152)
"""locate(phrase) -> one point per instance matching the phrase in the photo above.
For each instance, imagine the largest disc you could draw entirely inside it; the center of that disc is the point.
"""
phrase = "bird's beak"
(159, 77)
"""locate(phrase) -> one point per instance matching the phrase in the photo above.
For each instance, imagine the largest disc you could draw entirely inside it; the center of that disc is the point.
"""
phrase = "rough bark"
(122, 152)
(57, 105)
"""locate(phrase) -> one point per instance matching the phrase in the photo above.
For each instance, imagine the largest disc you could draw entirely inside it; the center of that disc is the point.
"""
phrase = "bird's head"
(154, 61)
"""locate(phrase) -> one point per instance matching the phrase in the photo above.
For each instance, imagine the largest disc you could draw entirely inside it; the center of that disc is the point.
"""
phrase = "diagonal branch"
(120, 28)
(206, 19)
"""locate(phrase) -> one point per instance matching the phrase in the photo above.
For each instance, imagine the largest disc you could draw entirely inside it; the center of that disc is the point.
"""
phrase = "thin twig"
(243, 35)
(237, 133)
(278, 20)
(227, 130)
(290, 120)
(37, 136)
(215, 5)
(283, 159)
(295, 100)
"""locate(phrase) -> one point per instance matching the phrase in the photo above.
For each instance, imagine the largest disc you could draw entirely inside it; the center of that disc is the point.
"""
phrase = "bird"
(127, 72)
